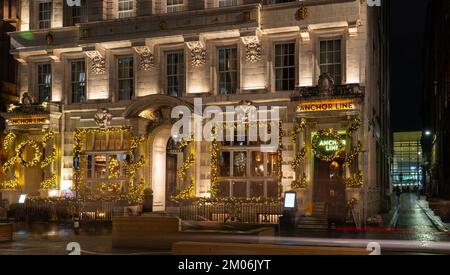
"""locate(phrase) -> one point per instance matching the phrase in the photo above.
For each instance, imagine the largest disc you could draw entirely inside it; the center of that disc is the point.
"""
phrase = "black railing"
(42, 210)
(249, 213)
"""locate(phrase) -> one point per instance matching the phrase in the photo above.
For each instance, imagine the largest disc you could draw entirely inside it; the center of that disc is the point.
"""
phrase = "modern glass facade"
(407, 166)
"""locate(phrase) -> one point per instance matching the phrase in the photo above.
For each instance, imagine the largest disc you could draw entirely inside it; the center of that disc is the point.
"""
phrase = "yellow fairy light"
(49, 183)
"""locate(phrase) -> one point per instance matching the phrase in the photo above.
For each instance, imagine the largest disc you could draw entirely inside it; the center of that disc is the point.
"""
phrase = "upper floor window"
(285, 67)
(227, 3)
(126, 8)
(44, 82)
(282, 1)
(125, 77)
(175, 5)
(330, 59)
(78, 13)
(78, 81)
(45, 15)
(175, 73)
(228, 70)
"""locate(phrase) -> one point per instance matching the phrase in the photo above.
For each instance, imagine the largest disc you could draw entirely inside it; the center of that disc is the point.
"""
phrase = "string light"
(302, 183)
(355, 182)
(49, 183)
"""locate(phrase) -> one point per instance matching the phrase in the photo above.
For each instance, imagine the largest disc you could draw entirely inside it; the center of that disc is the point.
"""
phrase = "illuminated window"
(78, 81)
(125, 8)
(285, 67)
(44, 82)
(261, 180)
(330, 59)
(228, 71)
(175, 74)
(45, 15)
(175, 5)
(125, 77)
(227, 3)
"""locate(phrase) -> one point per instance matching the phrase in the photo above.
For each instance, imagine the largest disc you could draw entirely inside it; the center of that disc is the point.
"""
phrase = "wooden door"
(171, 178)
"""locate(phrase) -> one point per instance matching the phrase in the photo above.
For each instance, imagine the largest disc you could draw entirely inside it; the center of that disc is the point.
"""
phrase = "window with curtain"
(285, 67)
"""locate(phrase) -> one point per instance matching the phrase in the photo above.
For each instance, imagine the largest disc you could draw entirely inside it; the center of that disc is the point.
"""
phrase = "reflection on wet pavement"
(52, 238)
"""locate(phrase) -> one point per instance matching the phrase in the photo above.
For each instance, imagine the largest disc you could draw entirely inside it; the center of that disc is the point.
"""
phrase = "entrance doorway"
(171, 172)
(329, 189)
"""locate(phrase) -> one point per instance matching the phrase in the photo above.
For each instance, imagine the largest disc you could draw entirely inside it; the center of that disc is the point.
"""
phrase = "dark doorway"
(329, 189)
(171, 172)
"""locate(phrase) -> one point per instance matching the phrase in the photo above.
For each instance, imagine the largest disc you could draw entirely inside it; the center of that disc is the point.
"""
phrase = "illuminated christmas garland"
(215, 151)
(12, 184)
(135, 190)
(187, 194)
(189, 191)
(280, 153)
(354, 153)
(49, 183)
(235, 200)
(298, 128)
(36, 157)
(37, 150)
(9, 140)
(302, 183)
(108, 189)
(114, 169)
(327, 133)
(355, 182)
(299, 159)
(354, 126)
(187, 164)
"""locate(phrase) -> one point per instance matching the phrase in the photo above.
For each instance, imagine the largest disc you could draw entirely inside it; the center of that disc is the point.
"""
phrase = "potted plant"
(148, 200)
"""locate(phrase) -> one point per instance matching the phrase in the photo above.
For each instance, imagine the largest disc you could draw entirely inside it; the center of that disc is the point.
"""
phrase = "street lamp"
(427, 133)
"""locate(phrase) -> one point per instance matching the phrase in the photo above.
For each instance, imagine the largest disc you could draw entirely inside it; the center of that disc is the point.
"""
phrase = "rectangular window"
(78, 69)
(45, 15)
(285, 67)
(125, 77)
(175, 74)
(227, 3)
(78, 13)
(260, 181)
(228, 71)
(175, 5)
(44, 82)
(330, 59)
(125, 8)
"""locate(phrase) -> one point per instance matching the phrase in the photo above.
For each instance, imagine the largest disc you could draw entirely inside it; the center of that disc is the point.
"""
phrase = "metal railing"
(66, 210)
(248, 213)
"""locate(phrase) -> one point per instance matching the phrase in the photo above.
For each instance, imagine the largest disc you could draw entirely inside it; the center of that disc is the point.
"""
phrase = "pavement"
(414, 231)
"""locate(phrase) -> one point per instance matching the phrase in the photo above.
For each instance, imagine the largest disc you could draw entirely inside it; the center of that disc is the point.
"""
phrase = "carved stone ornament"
(326, 83)
(198, 53)
(146, 58)
(27, 99)
(103, 118)
(97, 62)
(253, 49)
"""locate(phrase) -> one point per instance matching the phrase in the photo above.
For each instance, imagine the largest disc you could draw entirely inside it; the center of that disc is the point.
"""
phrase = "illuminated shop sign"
(28, 121)
(326, 105)
(327, 144)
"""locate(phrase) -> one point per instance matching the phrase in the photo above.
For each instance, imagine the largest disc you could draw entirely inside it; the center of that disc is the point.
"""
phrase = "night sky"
(407, 43)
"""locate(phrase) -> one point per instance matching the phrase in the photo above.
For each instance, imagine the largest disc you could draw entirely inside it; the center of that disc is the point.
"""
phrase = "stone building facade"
(110, 64)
